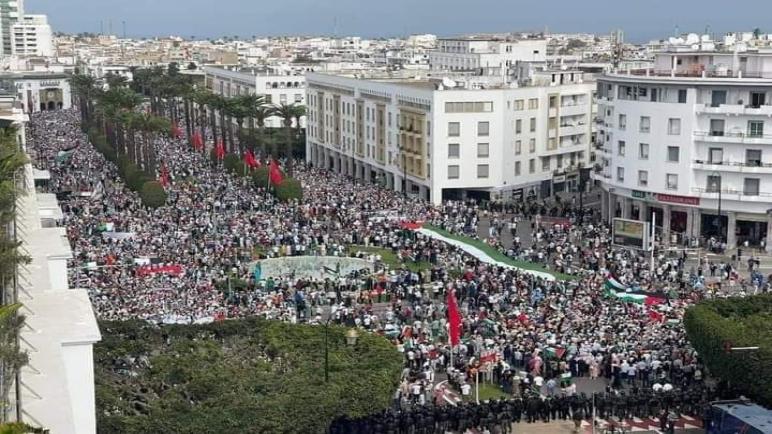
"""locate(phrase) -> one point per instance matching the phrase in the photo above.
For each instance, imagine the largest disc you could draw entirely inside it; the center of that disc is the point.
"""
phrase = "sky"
(641, 20)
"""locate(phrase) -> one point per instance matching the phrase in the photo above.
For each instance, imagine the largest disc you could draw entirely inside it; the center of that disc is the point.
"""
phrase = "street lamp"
(716, 186)
(351, 337)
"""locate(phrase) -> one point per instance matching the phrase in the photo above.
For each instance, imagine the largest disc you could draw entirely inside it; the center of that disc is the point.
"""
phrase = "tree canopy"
(247, 375)
(715, 326)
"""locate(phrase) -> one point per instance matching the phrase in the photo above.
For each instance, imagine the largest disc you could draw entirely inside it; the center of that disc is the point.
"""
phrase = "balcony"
(733, 166)
(732, 137)
(573, 129)
(573, 109)
(732, 194)
(735, 109)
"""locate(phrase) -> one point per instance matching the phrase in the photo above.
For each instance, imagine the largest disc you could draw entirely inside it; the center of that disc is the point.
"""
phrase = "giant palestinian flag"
(615, 289)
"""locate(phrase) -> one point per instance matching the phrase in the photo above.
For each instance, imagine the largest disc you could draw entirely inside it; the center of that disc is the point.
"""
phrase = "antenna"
(110, 26)
(677, 31)
(123, 23)
(101, 27)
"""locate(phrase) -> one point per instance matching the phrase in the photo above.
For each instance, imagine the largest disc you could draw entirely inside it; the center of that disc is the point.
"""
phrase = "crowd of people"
(215, 225)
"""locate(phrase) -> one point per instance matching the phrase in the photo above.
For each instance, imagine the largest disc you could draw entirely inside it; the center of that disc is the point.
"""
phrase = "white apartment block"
(437, 140)
(32, 36)
(688, 137)
(278, 87)
(485, 55)
(11, 11)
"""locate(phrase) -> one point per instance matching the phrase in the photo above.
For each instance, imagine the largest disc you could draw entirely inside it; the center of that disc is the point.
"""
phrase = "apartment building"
(449, 139)
(32, 36)
(286, 86)
(688, 140)
(11, 11)
(485, 55)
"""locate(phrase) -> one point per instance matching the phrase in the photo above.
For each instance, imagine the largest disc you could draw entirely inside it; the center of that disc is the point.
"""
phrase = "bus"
(738, 417)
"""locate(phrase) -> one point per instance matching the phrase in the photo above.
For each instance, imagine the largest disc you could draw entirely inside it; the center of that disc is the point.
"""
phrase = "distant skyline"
(641, 20)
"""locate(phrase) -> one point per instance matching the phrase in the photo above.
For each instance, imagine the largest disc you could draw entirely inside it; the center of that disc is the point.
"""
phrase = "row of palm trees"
(116, 113)
(239, 121)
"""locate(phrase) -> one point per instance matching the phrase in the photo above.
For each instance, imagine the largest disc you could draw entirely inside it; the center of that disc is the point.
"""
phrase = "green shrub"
(289, 189)
(735, 322)
(241, 375)
(153, 194)
(231, 162)
(260, 177)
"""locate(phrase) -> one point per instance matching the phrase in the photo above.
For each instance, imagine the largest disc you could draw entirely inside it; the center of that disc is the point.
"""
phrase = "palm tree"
(84, 89)
(252, 105)
(261, 114)
(289, 112)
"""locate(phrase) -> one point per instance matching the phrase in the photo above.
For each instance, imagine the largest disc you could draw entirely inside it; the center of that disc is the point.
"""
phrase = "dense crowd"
(215, 225)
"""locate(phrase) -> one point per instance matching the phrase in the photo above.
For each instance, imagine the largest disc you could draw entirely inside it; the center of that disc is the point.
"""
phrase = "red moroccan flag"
(220, 150)
(164, 179)
(274, 173)
(176, 131)
(454, 319)
(249, 159)
(197, 141)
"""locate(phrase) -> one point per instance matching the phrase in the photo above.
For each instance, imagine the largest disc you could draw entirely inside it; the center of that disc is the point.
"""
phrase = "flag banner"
(117, 235)
(146, 270)
(411, 225)
(454, 319)
(176, 131)
(220, 150)
(164, 178)
(637, 297)
(106, 227)
(197, 141)
(274, 173)
(613, 284)
(63, 156)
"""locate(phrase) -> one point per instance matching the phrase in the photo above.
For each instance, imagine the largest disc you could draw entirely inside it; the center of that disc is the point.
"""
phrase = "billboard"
(631, 233)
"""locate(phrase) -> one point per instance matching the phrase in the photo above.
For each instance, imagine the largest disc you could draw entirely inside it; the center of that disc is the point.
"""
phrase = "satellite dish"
(447, 82)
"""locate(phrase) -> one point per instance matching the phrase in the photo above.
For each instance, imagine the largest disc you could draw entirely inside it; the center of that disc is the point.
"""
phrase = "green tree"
(288, 113)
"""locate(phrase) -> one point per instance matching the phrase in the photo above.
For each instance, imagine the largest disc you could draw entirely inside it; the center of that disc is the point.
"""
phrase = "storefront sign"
(49, 84)
(558, 179)
(682, 200)
(639, 194)
(517, 195)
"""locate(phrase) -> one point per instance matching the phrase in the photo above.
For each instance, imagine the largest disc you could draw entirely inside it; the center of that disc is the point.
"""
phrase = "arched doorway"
(51, 105)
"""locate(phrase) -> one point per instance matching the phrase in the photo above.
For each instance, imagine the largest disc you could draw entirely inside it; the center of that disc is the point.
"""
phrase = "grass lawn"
(497, 255)
(487, 392)
(389, 258)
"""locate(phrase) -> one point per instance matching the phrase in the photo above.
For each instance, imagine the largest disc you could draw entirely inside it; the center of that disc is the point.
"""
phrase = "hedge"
(260, 177)
(153, 194)
(289, 189)
(231, 162)
(245, 375)
(736, 322)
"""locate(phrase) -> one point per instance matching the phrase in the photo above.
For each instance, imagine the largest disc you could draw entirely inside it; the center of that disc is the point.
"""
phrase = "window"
(469, 107)
(643, 178)
(559, 161)
(482, 128)
(298, 97)
(757, 99)
(622, 122)
(531, 165)
(545, 164)
(674, 126)
(482, 171)
(682, 96)
(714, 184)
(673, 154)
(518, 126)
(715, 155)
(643, 151)
(533, 125)
(454, 129)
(621, 148)
(453, 172)
(519, 104)
(518, 147)
(716, 127)
(672, 181)
(645, 126)
(751, 187)
(621, 174)
(517, 168)
(454, 150)
(553, 102)
(482, 150)
(532, 146)
(753, 157)
(717, 97)
(533, 104)
(756, 128)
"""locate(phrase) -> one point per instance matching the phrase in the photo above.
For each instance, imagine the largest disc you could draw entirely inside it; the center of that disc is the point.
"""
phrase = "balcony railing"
(731, 191)
(731, 135)
(734, 163)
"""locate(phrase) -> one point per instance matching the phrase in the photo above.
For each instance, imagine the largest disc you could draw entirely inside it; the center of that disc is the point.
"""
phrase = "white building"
(40, 91)
(11, 12)
(485, 55)
(32, 36)
(441, 139)
(687, 137)
(57, 385)
(279, 87)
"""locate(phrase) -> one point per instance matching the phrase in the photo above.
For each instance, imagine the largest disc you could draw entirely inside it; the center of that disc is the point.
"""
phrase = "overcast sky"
(640, 19)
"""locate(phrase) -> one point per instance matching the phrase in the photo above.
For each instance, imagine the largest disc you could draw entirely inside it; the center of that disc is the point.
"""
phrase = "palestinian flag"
(637, 297)
(613, 284)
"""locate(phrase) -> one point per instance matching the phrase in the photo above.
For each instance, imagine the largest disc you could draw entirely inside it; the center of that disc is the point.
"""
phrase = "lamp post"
(351, 340)
(716, 186)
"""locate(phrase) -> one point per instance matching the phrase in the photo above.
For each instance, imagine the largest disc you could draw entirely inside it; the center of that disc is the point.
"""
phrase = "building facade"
(278, 87)
(687, 140)
(40, 91)
(485, 56)
(32, 36)
(439, 140)
(11, 12)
